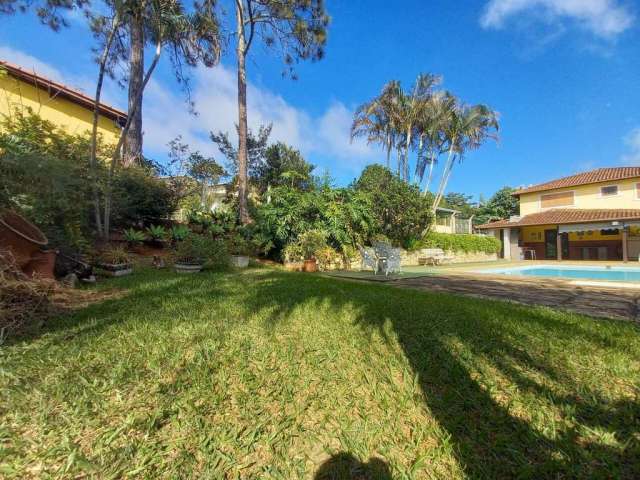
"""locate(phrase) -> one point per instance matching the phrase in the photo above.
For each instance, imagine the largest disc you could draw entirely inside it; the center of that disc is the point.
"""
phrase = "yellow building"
(57, 103)
(593, 215)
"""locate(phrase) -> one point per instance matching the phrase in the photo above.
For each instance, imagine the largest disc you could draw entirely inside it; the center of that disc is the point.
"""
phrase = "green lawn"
(268, 374)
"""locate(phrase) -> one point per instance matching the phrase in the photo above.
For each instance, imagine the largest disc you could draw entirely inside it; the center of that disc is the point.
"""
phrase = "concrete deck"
(611, 300)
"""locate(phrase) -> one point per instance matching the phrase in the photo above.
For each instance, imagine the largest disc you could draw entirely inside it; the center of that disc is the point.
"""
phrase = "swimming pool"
(618, 274)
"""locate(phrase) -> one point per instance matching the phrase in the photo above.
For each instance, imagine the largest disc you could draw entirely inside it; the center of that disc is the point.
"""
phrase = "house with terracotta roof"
(593, 215)
(64, 106)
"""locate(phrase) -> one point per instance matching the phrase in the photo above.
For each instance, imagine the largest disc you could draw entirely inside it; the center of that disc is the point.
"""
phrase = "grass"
(269, 374)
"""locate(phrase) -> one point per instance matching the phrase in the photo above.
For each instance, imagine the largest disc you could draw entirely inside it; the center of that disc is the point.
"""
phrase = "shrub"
(326, 257)
(179, 232)
(141, 198)
(311, 242)
(238, 245)
(292, 253)
(134, 237)
(115, 256)
(44, 176)
(202, 249)
(459, 243)
(157, 232)
(343, 214)
(402, 212)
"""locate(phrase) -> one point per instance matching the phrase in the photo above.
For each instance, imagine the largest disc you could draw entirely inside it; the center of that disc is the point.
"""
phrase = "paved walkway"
(589, 300)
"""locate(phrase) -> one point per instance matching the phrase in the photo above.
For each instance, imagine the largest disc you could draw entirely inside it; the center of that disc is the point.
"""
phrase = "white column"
(506, 241)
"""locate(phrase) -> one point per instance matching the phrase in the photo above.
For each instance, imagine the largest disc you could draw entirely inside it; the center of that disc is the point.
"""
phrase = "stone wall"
(410, 259)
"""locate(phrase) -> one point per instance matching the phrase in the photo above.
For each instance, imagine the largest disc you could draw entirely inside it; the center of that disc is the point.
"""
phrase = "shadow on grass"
(443, 337)
(344, 466)
(490, 442)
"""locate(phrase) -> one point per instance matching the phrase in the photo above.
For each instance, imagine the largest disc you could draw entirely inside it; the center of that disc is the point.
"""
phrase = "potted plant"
(191, 254)
(157, 235)
(293, 257)
(134, 238)
(179, 233)
(240, 249)
(115, 262)
(310, 242)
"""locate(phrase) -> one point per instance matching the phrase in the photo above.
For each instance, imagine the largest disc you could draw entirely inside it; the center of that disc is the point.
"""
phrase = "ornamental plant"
(134, 237)
(157, 233)
(311, 242)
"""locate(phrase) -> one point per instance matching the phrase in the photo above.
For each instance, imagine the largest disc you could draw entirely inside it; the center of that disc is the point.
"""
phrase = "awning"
(586, 227)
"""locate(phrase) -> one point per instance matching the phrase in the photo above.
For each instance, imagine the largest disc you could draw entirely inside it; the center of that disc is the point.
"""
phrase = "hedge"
(459, 243)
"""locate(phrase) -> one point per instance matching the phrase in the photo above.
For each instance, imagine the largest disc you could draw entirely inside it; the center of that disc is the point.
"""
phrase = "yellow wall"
(68, 115)
(536, 234)
(588, 196)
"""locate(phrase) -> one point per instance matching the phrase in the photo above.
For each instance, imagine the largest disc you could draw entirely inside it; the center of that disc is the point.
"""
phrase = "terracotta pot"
(310, 266)
(21, 237)
(42, 264)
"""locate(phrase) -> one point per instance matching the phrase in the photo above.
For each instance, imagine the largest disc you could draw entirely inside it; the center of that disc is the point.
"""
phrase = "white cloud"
(214, 93)
(632, 142)
(166, 114)
(604, 18)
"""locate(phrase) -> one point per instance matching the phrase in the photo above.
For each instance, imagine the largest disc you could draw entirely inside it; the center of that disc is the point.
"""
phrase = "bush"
(402, 212)
(311, 242)
(115, 256)
(202, 249)
(141, 198)
(459, 243)
(343, 214)
(44, 176)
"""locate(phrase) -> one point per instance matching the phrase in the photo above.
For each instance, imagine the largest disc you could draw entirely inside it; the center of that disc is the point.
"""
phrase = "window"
(610, 231)
(561, 199)
(609, 191)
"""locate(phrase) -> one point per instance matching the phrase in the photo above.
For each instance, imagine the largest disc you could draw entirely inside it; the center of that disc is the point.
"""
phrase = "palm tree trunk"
(432, 162)
(133, 145)
(118, 149)
(389, 145)
(93, 161)
(445, 178)
(242, 117)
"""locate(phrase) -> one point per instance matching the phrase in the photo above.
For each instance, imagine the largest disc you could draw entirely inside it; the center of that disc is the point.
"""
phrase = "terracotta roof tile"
(594, 176)
(558, 216)
(57, 89)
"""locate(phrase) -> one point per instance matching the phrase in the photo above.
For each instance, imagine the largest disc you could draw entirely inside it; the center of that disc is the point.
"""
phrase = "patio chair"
(389, 258)
(368, 259)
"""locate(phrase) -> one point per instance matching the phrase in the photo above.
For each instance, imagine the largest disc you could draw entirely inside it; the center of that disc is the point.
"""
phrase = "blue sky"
(564, 75)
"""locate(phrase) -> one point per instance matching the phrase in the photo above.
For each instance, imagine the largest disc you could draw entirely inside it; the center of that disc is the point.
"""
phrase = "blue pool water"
(619, 274)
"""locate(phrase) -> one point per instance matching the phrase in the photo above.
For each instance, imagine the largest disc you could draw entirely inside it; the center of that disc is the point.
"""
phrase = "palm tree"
(414, 108)
(432, 141)
(467, 128)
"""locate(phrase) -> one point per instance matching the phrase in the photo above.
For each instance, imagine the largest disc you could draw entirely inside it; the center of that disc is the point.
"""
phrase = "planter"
(21, 237)
(42, 264)
(294, 266)
(188, 267)
(239, 261)
(310, 266)
(116, 269)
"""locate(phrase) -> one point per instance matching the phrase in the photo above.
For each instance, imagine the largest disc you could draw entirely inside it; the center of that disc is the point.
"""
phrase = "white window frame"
(617, 194)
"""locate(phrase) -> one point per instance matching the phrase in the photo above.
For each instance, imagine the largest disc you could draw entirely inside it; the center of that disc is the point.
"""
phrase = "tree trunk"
(133, 143)
(445, 179)
(119, 147)
(242, 118)
(93, 161)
